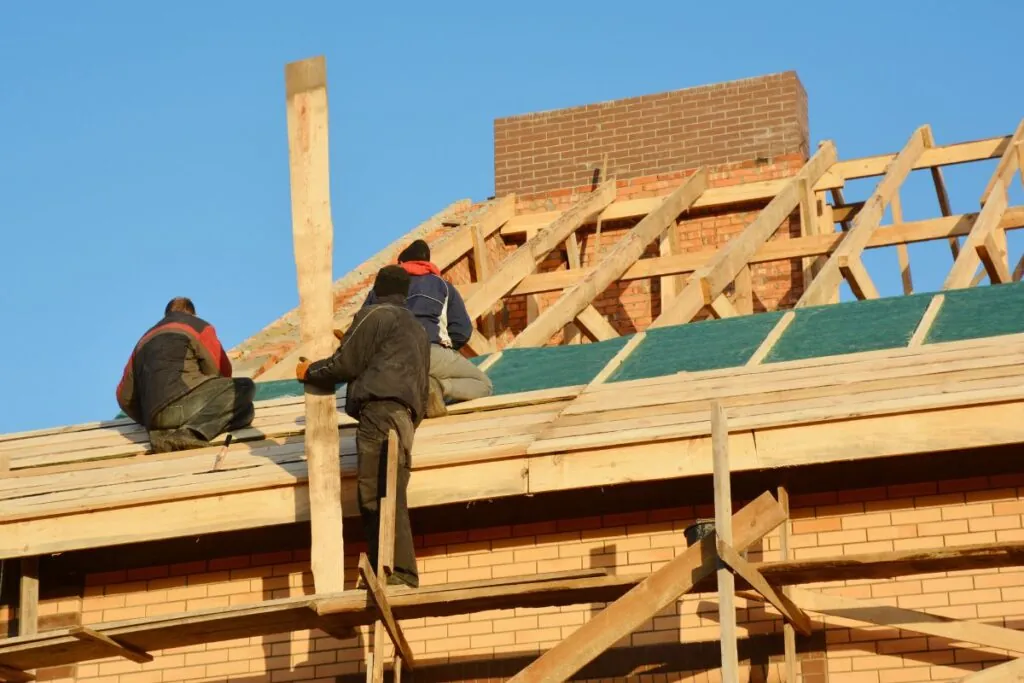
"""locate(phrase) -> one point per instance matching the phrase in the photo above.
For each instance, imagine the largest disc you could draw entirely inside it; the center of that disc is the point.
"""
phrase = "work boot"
(182, 439)
(435, 399)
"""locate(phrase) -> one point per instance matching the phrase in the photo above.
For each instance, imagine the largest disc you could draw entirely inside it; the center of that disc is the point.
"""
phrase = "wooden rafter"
(845, 260)
(1007, 672)
(650, 596)
(1009, 163)
(525, 259)
(313, 233)
(626, 252)
(708, 282)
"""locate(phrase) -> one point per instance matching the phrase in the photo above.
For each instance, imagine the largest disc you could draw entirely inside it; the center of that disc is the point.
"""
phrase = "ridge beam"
(625, 253)
(845, 260)
(708, 283)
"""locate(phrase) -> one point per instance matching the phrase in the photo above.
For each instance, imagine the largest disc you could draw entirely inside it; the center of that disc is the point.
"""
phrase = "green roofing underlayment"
(849, 327)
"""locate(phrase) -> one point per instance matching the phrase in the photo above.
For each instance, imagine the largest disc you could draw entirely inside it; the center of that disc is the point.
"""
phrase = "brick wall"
(681, 639)
(736, 121)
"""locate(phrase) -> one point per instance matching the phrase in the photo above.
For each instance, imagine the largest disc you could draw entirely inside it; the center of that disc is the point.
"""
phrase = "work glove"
(302, 369)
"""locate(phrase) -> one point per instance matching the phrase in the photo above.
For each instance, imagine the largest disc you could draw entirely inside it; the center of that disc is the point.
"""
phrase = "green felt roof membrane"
(552, 366)
(979, 312)
(705, 345)
(850, 327)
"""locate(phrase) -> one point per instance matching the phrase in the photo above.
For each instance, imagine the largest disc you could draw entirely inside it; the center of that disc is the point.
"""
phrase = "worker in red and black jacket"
(178, 383)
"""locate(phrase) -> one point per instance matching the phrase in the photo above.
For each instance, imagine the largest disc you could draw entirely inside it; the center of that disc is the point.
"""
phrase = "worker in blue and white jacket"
(440, 309)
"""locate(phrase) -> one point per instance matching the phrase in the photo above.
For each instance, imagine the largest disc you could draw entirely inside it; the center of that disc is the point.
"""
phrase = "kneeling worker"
(384, 357)
(178, 384)
(442, 312)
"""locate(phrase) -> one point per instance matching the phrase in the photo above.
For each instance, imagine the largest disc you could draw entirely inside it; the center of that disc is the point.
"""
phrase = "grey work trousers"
(376, 419)
(460, 379)
(214, 407)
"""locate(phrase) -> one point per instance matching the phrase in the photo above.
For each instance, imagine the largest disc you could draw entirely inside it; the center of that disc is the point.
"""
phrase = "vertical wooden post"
(313, 235)
(723, 528)
(28, 600)
(902, 254)
(386, 556)
(789, 634)
(482, 265)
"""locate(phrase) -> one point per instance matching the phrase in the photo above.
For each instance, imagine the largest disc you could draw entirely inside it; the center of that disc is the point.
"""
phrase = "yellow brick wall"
(940, 513)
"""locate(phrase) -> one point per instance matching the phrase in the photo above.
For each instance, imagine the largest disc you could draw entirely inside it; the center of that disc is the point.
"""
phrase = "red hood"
(420, 268)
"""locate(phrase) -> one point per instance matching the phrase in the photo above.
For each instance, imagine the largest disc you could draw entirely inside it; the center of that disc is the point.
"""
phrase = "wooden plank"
(617, 360)
(626, 251)
(772, 339)
(775, 250)
(306, 90)
(485, 223)
(941, 194)
(852, 268)
(902, 255)
(993, 257)
(482, 269)
(670, 286)
(650, 596)
(116, 649)
(1009, 163)
(385, 561)
(596, 325)
(376, 591)
(571, 333)
(946, 155)
(524, 260)
(28, 598)
(865, 223)
(723, 533)
(988, 219)
(788, 632)
(930, 313)
(708, 283)
(793, 614)
(744, 296)
(871, 612)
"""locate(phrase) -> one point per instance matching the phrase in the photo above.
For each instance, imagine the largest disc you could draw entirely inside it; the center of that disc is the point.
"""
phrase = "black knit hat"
(391, 280)
(417, 251)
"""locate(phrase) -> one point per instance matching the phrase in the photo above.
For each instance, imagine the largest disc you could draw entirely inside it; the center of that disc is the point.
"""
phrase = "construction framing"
(574, 437)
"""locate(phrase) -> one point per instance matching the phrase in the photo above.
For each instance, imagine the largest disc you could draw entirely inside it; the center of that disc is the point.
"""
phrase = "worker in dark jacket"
(178, 384)
(442, 312)
(385, 358)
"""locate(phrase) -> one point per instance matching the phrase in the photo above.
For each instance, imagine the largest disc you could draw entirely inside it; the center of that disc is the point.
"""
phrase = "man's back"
(172, 358)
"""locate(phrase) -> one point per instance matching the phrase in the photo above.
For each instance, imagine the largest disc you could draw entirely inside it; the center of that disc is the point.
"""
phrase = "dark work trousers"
(376, 418)
(214, 407)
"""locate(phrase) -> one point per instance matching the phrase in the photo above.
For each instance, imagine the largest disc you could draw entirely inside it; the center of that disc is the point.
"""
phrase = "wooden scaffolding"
(715, 561)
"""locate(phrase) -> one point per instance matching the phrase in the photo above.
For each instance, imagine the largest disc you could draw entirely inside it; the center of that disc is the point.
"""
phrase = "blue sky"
(143, 148)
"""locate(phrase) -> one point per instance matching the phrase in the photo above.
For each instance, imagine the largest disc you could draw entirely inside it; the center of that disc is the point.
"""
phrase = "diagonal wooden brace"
(667, 584)
(116, 648)
(751, 575)
(377, 593)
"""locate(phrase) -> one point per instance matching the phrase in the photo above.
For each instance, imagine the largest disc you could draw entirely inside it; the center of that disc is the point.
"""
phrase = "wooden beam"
(744, 292)
(376, 592)
(596, 325)
(987, 220)
(793, 614)
(313, 234)
(772, 338)
(1009, 163)
(482, 268)
(864, 225)
(617, 360)
(852, 268)
(941, 194)
(115, 648)
(650, 596)
(385, 556)
(993, 257)
(671, 285)
(28, 599)
(902, 255)
(788, 632)
(908, 620)
(707, 283)
(946, 155)
(723, 535)
(775, 250)
(930, 313)
(524, 260)
(624, 254)
(573, 259)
